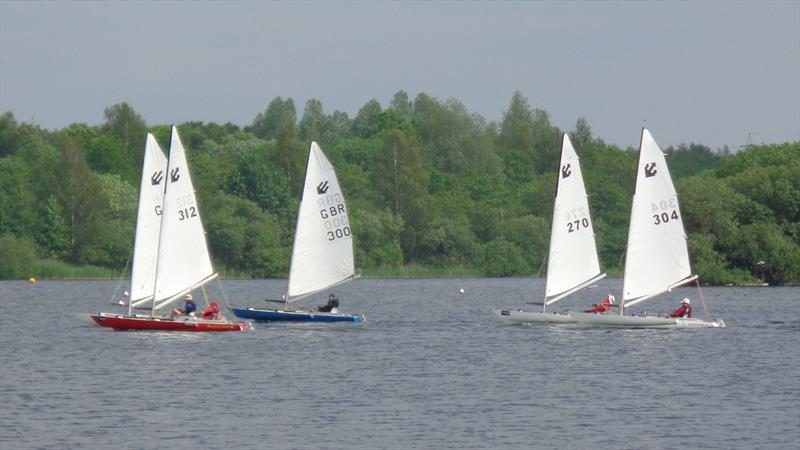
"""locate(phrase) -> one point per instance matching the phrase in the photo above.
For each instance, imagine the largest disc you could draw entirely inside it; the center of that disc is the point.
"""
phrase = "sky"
(719, 73)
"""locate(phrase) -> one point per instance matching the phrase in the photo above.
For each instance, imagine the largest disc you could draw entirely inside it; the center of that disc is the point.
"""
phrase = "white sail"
(148, 223)
(657, 256)
(572, 261)
(183, 260)
(323, 247)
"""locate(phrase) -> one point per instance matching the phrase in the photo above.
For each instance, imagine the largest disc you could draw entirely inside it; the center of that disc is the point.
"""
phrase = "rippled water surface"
(431, 368)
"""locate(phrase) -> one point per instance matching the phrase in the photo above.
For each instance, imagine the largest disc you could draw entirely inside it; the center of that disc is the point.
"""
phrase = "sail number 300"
(186, 213)
(335, 220)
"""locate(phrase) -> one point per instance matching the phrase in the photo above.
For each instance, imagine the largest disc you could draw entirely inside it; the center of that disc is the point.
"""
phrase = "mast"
(161, 226)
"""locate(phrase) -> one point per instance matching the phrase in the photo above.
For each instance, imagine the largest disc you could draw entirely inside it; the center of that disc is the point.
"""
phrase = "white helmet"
(686, 300)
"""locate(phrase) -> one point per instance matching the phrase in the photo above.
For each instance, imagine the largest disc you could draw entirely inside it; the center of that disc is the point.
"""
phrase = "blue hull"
(277, 315)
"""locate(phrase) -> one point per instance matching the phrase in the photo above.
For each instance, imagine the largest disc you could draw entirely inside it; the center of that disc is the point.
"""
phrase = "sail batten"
(572, 258)
(322, 254)
(657, 254)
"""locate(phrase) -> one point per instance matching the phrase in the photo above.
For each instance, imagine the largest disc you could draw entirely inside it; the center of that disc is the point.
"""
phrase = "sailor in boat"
(331, 306)
(188, 309)
(603, 306)
(212, 312)
(685, 311)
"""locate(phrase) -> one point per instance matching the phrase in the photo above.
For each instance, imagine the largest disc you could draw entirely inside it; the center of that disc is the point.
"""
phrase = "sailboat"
(322, 256)
(657, 256)
(171, 254)
(572, 262)
(148, 226)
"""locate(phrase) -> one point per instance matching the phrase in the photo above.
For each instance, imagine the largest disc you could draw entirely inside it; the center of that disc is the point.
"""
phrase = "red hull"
(124, 323)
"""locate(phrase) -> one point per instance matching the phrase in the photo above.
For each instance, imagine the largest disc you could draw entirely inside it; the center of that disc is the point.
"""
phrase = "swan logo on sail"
(322, 187)
(157, 178)
(174, 176)
(650, 170)
(566, 171)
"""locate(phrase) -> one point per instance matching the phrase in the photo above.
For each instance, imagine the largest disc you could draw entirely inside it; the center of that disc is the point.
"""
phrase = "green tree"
(401, 104)
(365, 118)
(531, 235)
(401, 177)
(17, 257)
(313, 123)
(503, 259)
(56, 234)
(765, 251)
(454, 140)
(18, 198)
(278, 116)
(81, 196)
(376, 238)
(9, 134)
(129, 127)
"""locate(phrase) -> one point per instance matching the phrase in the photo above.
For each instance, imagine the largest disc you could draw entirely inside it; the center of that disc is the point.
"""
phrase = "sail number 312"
(186, 213)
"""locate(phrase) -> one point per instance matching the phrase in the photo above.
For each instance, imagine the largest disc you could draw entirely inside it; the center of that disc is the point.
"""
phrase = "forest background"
(432, 190)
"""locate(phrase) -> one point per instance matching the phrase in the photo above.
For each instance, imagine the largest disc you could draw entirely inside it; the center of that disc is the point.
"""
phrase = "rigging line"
(702, 300)
(205, 294)
(224, 294)
(119, 282)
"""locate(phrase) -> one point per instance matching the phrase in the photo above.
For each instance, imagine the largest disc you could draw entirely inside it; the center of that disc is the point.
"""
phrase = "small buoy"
(461, 291)
(32, 280)
(126, 294)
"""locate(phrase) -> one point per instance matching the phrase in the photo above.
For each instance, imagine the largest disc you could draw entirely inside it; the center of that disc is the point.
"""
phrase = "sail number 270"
(576, 225)
(664, 211)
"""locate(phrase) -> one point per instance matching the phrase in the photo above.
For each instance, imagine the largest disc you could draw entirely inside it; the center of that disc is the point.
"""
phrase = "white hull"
(615, 320)
(700, 323)
(520, 316)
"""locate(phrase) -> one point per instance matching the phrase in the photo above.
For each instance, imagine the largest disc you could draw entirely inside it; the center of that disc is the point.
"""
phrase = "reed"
(57, 270)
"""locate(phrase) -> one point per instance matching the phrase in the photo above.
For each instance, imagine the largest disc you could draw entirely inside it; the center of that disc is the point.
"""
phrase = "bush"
(17, 257)
(504, 259)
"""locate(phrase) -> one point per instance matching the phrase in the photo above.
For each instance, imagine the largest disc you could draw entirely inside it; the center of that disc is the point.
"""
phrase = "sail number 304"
(664, 211)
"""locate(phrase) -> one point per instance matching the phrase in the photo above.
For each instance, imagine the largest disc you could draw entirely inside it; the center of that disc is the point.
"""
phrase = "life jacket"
(211, 313)
(603, 306)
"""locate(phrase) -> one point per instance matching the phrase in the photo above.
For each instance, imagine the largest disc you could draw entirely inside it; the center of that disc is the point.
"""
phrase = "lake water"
(431, 369)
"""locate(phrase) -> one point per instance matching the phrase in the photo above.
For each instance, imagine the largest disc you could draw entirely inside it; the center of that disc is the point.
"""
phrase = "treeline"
(428, 185)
